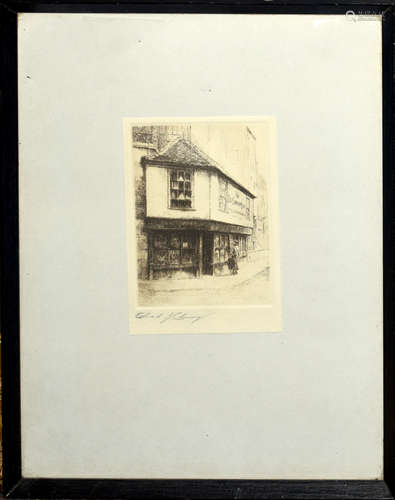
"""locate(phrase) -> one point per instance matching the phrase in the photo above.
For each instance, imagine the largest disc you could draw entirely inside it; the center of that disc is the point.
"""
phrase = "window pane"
(187, 256)
(160, 241)
(180, 189)
(160, 256)
(174, 241)
(187, 242)
(174, 257)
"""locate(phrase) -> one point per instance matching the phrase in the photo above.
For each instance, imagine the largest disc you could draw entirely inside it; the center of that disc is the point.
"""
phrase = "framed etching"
(198, 250)
(202, 225)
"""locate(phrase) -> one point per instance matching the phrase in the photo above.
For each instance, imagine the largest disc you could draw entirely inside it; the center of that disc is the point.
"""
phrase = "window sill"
(183, 209)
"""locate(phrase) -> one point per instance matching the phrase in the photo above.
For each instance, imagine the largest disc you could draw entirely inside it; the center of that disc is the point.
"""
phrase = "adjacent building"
(191, 209)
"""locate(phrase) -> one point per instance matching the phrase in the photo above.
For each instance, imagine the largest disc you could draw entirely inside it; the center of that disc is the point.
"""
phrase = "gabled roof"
(183, 153)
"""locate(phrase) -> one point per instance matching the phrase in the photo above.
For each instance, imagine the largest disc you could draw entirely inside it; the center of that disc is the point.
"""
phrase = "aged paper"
(202, 225)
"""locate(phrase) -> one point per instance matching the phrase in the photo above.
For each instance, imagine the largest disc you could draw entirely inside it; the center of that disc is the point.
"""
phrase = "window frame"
(168, 247)
(189, 170)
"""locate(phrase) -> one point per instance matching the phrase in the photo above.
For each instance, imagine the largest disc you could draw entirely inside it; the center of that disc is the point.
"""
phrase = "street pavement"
(251, 286)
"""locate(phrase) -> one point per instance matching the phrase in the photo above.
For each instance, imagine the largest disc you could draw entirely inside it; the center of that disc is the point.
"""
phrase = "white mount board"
(98, 402)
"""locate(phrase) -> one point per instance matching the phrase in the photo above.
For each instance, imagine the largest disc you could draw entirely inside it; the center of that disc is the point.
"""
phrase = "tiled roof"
(184, 152)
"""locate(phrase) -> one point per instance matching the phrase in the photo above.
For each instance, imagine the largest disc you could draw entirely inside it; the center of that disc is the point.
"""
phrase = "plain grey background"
(98, 402)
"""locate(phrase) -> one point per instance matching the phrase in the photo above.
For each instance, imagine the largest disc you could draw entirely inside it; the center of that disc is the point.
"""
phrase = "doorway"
(207, 253)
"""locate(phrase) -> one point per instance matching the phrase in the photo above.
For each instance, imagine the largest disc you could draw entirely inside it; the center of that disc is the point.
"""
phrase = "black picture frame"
(15, 486)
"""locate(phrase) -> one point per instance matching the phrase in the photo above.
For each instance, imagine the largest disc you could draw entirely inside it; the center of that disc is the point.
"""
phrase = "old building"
(191, 210)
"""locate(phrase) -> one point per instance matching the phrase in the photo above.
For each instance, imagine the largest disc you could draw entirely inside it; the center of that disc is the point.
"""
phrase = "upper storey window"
(180, 188)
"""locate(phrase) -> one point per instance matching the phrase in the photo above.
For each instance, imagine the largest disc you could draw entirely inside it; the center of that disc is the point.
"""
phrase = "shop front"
(189, 249)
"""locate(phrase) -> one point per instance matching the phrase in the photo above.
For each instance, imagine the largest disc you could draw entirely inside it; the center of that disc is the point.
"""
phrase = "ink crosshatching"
(199, 214)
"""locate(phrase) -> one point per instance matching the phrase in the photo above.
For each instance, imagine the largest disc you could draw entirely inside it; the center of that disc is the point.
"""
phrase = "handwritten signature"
(172, 316)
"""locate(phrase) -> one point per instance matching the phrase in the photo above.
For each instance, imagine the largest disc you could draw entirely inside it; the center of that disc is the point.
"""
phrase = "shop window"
(174, 257)
(221, 248)
(180, 188)
(243, 246)
(160, 257)
(235, 239)
(175, 241)
(173, 250)
(160, 241)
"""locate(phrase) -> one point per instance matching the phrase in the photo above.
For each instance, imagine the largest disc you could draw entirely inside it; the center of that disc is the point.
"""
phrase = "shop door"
(207, 253)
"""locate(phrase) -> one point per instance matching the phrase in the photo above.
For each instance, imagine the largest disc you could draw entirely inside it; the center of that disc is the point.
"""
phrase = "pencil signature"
(172, 316)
